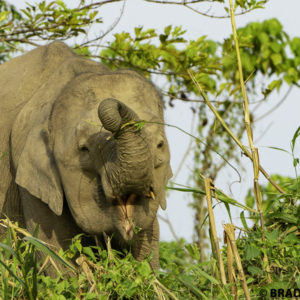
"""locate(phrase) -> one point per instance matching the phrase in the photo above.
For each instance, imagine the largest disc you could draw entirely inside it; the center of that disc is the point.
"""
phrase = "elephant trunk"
(132, 170)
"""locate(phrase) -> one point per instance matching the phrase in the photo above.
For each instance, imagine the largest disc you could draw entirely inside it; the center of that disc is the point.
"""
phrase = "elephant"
(83, 150)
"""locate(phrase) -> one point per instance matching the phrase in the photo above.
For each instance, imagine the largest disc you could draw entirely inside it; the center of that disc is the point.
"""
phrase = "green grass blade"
(207, 276)
(279, 149)
(192, 288)
(296, 135)
(13, 274)
(44, 248)
(243, 219)
(9, 249)
(220, 196)
(228, 211)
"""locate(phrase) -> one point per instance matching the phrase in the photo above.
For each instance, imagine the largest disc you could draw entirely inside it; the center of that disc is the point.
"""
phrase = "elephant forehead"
(132, 90)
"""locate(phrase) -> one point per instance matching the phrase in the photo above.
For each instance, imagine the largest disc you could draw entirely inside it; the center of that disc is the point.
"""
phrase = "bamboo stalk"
(230, 268)
(229, 230)
(233, 136)
(254, 151)
(212, 223)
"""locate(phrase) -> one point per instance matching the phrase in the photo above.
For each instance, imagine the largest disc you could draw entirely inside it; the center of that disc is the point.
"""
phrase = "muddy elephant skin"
(72, 159)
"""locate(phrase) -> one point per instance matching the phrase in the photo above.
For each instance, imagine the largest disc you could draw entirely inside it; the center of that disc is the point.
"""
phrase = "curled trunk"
(133, 165)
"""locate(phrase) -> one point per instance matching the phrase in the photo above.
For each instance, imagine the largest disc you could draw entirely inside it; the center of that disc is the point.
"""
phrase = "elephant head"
(89, 152)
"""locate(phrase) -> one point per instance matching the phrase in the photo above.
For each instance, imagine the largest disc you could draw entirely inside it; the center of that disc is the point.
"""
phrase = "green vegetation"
(102, 274)
(193, 71)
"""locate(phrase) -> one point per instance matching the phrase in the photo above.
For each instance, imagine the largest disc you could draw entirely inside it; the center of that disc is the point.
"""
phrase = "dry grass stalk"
(254, 151)
(6, 223)
(44, 265)
(165, 289)
(158, 291)
(258, 197)
(108, 247)
(53, 263)
(230, 268)
(229, 230)
(213, 229)
(82, 262)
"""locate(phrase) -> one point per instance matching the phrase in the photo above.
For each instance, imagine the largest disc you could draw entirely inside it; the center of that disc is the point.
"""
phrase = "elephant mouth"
(125, 207)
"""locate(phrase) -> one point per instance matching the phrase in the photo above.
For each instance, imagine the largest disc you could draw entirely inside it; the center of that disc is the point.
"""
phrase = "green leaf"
(291, 238)
(263, 37)
(243, 219)
(4, 15)
(139, 125)
(89, 252)
(275, 47)
(275, 84)
(193, 251)
(276, 59)
(252, 252)
(272, 236)
(295, 46)
(167, 30)
(144, 269)
(286, 217)
(295, 136)
(254, 270)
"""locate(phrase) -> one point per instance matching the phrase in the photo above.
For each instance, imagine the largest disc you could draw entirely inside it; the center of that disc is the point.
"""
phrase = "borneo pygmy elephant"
(73, 159)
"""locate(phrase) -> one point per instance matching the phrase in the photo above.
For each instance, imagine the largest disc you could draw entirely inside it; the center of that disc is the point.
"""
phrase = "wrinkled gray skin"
(71, 162)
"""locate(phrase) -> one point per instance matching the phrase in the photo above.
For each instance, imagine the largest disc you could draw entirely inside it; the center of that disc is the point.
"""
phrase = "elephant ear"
(36, 170)
(163, 203)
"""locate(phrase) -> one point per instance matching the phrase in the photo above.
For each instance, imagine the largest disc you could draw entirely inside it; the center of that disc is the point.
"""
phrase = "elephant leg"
(54, 230)
(146, 243)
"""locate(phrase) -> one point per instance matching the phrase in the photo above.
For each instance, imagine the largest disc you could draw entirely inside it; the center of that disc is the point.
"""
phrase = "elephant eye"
(160, 144)
(83, 148)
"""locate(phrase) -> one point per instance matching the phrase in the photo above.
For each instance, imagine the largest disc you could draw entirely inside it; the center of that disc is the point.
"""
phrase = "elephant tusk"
(152, 195)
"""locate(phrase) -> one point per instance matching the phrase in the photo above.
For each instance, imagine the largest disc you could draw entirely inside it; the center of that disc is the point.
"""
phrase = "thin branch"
(98, 4)
(25, 41)
(175, 97)
(110, 29)
(213, 16)
(112, 60)
(265, 131)
(228, 153)
(168, 222)
(276, 106)
(187, 5)
(187, 152)
(184, 2)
